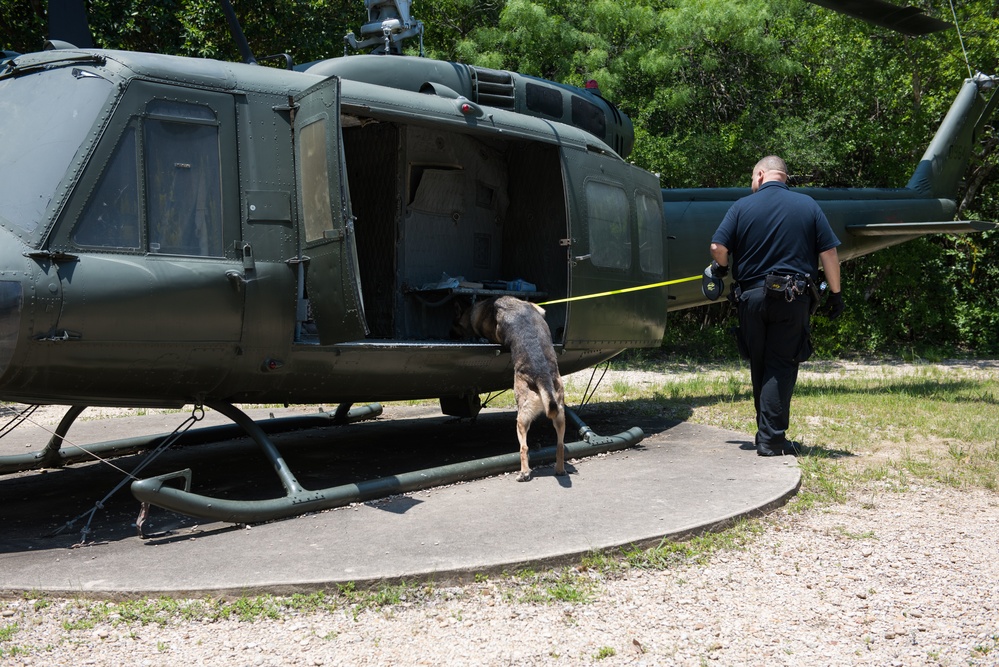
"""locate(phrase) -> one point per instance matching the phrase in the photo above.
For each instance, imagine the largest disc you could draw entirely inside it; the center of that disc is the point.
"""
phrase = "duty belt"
(790, 287)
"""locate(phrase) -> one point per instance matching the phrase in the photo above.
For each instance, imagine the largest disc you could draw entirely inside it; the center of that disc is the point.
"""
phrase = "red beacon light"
(468, 108)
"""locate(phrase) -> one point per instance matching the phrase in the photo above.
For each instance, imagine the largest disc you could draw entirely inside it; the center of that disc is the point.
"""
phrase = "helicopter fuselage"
(214, 231)
(182, 231)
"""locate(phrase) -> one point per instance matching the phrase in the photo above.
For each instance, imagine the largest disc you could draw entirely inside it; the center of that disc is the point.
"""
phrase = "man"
(774, 240)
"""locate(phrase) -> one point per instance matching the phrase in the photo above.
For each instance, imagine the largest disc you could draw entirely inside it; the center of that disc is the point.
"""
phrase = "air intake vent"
(494, 88)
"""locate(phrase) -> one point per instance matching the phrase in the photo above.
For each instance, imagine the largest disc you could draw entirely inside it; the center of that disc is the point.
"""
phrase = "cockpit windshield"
(45, 119)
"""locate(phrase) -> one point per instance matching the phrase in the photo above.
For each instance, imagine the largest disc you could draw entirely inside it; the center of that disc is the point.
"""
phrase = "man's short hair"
(771, 163)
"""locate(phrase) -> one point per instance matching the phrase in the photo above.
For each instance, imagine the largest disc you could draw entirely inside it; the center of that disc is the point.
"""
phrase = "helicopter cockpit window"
(650, 234)
(183, 179)
(45, 118)
(111, 218)
(610, 238)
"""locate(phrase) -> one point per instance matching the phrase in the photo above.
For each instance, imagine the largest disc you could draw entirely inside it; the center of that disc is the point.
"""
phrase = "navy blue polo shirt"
(774, 230)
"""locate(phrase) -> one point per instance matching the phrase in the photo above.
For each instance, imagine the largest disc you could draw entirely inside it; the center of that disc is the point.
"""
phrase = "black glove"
(712, 285)
(834, 305)
(717, 270)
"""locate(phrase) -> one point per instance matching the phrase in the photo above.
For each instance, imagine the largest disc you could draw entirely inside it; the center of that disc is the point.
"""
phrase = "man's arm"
(719, 253)
(830, 264)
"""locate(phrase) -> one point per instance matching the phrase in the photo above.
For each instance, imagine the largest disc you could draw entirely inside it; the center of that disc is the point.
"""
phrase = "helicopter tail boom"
(943, 166)
(865, 219)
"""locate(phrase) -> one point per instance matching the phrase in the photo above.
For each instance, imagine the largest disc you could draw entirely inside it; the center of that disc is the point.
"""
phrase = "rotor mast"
(389, 24)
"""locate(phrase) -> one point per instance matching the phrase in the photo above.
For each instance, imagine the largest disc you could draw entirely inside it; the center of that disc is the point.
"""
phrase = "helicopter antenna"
(960, 38)
(237, 33)
(389, 23)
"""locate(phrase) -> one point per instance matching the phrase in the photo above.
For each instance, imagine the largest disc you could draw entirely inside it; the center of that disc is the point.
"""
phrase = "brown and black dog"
(537, 385)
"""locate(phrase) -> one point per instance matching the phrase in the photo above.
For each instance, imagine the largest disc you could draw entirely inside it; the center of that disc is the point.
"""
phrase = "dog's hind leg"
(523, 423)
(528, 407)
(559, 422)
(553, 398)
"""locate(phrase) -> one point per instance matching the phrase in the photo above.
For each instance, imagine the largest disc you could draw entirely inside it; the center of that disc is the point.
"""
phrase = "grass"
(889, 425)
(7, 632)
(164, 611)
(863, 422)
(604, 652)
(566, 586)
(695, 550)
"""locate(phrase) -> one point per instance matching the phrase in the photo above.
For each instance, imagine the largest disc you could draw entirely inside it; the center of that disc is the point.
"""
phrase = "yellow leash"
(619, 291)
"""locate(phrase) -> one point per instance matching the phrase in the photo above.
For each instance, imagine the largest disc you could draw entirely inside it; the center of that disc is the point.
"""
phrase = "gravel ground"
(887, 578)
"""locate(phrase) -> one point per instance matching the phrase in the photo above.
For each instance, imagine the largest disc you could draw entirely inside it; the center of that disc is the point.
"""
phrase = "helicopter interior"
(459, 217)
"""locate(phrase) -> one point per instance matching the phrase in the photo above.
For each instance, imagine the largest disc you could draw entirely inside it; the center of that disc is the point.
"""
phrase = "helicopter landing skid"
(158, 491)
(56, 455)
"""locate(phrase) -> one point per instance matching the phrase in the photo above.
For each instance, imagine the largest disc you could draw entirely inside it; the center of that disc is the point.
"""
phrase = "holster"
(788, 288)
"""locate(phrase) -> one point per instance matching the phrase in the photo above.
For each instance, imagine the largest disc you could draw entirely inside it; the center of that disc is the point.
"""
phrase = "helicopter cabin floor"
(451, 208)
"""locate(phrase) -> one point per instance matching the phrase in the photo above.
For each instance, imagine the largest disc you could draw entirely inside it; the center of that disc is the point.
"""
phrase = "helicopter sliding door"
(326, 234)
(617, 244)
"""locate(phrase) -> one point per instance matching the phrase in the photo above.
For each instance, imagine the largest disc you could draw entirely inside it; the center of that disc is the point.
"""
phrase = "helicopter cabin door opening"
(444, 217)
(330, 303)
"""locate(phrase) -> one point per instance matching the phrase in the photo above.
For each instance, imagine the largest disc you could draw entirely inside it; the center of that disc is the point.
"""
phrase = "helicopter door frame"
(155, 219)
(610, 221)
(328, 271)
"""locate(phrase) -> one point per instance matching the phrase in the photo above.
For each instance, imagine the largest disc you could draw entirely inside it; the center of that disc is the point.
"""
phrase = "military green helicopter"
(194, 232)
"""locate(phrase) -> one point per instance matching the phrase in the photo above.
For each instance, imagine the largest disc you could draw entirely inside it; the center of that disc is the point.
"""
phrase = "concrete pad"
(682, 478)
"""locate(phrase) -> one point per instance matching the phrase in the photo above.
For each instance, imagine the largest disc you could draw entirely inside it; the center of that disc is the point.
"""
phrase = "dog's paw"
(561, 473)
(524, 476)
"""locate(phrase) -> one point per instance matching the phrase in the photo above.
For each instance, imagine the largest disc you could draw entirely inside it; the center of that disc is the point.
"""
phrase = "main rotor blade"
(906, 20)
(68, 23)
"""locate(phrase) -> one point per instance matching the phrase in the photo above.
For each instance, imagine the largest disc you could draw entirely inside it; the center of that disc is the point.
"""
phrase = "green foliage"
(306, 29)
(22, 25)
(703, 334)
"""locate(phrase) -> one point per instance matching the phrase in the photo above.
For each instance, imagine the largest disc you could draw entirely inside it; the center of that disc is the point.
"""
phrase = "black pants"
(776, 333)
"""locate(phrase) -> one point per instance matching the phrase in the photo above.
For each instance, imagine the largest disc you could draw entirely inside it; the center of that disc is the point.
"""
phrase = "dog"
(537, 384)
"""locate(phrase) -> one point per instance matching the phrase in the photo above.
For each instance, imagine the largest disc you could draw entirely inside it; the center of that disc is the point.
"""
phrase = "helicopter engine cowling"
(528, 95)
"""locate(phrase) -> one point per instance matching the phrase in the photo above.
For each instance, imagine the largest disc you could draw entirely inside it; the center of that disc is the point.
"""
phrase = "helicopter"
(195, 232)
